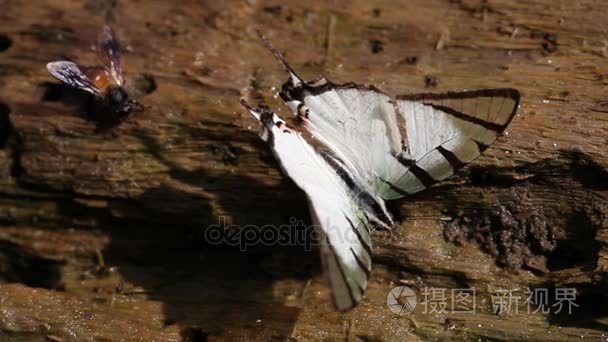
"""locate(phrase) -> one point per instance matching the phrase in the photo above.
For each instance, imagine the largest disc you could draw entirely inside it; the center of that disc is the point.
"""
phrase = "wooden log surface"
(102, 230)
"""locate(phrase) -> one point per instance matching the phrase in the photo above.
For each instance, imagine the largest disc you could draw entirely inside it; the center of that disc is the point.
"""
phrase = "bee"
(105, 81)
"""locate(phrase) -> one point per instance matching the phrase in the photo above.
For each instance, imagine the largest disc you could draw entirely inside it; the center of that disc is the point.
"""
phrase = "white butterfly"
(370, 160)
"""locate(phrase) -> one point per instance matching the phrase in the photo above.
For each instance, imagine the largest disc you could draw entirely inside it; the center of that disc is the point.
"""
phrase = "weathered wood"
(102, 231)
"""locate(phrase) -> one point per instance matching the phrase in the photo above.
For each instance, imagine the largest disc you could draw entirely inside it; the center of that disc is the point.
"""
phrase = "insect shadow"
(86, 105)
(206, 288)
(213, 287)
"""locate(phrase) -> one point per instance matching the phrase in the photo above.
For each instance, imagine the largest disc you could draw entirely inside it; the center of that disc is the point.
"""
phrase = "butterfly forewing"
(358, 124)
(447, 131)
(444, 132)
(346, 242)
(480, 114)
(109, 50)
(69, 73)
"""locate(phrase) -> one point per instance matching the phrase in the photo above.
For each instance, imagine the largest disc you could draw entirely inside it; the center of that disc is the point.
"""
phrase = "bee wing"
(69, 73)
(109, 49)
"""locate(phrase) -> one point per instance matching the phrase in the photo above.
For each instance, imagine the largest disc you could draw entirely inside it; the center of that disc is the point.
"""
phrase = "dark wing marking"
(109, 50)
(69, 73)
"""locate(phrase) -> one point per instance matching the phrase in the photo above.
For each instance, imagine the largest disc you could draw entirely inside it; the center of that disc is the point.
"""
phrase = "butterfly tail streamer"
(293, 76)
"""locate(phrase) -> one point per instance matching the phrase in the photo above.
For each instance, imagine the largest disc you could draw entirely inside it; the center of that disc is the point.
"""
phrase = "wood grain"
(102, 231)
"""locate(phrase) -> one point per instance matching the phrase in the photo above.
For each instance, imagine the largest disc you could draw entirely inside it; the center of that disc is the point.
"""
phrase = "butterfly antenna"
(246, 105)
(294, 78)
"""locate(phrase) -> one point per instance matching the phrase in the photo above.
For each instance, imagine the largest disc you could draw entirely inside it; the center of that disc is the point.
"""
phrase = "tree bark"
(102, 230)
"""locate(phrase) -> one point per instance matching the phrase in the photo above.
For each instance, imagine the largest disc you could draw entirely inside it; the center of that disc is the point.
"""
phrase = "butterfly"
(373, 149)
(105, 82)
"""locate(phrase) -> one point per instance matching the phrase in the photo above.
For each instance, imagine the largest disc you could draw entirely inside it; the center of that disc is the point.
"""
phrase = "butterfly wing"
(442, 132)
(346, 242)
(447, 131)
(357, 123)
(109, 50)
(69, 73)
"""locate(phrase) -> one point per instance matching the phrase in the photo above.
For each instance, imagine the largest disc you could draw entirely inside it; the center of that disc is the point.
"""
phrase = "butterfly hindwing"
(346, 242)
